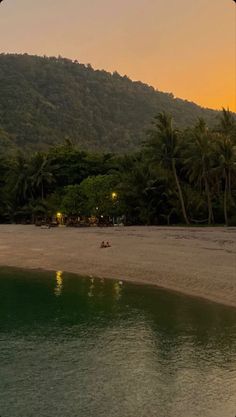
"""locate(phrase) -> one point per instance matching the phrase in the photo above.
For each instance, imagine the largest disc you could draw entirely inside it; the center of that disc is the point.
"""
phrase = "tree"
(96, 192)
(42, 173)
(199, 161)
(165, 146)
(227, 123)
(72, 202)
(18, 182)
(226, 152)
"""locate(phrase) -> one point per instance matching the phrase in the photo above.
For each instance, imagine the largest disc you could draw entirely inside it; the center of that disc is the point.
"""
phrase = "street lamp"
(59, 218)
(114, 196)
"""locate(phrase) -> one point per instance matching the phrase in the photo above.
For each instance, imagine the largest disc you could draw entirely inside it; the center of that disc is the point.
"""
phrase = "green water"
(77, 347)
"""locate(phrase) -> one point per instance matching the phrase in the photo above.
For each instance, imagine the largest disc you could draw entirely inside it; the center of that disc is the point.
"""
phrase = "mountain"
(45, 100)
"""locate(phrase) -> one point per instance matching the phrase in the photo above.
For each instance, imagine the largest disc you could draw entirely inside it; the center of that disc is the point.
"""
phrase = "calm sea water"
(78, 347)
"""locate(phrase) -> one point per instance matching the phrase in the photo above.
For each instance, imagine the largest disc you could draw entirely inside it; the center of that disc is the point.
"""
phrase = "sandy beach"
(196, 261)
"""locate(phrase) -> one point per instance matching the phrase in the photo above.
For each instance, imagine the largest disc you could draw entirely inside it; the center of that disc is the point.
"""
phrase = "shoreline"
(128, 281)
(197, 262)
(176, 291)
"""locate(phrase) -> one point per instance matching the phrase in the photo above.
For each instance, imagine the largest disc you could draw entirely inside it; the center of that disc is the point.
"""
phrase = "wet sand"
(196, 261)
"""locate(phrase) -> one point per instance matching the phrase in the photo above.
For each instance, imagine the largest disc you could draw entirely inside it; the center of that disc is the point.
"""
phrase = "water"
(78, 347)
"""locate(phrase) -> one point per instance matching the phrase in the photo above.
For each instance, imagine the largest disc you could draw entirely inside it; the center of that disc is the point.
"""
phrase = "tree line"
(178, 176)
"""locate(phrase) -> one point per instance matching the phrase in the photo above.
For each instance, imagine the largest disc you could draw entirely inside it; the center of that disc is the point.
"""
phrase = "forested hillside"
(44, 101)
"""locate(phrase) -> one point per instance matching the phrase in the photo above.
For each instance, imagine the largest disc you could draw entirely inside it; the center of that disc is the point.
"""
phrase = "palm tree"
(19, 182)
(226, 148)
(226, 151)
(42, 173)
(200, 159)
(164, 144)
(227, 123)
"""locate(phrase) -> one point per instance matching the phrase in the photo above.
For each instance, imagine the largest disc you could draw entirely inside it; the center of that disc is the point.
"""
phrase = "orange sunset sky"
(185, 47)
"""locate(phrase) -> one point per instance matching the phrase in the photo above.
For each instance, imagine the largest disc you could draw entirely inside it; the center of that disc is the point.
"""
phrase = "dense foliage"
(178, 176)
(44, 101)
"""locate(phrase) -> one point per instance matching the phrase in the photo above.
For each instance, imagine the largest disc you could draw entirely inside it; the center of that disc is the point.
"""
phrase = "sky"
(185, 47)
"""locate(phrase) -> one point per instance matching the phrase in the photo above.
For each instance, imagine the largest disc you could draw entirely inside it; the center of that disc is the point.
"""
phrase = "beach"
(199, 261)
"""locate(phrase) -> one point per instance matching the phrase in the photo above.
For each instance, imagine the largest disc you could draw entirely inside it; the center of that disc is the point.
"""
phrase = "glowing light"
(114, 195)
(59, 215)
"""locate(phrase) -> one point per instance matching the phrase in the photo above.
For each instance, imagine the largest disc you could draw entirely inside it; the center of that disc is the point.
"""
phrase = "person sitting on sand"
(105, 245)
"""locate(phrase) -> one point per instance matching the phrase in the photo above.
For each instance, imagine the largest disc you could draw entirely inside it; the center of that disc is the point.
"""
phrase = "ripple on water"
(73, 346)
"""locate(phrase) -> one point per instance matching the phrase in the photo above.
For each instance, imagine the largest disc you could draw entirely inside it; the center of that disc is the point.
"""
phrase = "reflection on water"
(73, 346)
(91, 288)
(59, 283)
(118, 289)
